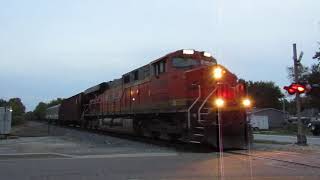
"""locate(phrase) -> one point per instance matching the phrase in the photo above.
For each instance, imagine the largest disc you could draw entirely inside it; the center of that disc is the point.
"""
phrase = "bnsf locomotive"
(184, 95)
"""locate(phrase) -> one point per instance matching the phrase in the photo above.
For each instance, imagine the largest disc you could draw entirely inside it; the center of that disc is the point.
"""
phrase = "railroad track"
(177, 145)
(182, 146)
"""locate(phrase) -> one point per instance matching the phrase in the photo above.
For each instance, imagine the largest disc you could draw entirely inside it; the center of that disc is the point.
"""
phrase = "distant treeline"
(18, 109)
(39, 112)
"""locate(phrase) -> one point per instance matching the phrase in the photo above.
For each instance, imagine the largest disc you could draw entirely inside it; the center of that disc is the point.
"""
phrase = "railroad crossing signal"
(300, 88)
(300, 57)
(296, 88)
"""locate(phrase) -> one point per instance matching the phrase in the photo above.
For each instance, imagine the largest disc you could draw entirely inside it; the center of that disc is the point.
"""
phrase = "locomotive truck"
(185, 95)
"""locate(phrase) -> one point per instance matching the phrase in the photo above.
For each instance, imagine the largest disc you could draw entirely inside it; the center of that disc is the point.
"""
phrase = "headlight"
(246, 102)
(207, 54)
(217, 73)
(188, 51)
(219, 102)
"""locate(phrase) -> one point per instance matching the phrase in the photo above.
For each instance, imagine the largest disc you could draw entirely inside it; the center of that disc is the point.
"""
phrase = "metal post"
(284, 108)
(221, 160)
(220, 137)
(4, 121)
(301, 137)
(48, 126)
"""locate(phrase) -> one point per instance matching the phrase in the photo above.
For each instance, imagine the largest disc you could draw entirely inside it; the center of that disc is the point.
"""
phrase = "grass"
(270, 142)
(276, 132)
(281, 132)
(289, 129)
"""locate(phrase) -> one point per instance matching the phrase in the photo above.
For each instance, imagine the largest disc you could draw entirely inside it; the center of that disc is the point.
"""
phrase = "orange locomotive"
(184, 95)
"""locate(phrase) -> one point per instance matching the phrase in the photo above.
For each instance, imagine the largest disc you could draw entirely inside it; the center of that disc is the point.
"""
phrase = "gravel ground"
(34, 139)
(30, 129)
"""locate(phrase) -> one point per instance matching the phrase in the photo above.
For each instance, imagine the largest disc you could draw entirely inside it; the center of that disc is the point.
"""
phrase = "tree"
(314, 78)
(265, 94)
(55, 102)
(3, 103)
(302, 70)
(317, 55)
(17, 106)
(18, 110)
(309, 75)
(40, 111)
(28, 116)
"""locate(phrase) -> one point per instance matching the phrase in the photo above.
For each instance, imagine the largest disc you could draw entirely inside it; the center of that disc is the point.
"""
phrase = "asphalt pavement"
(71, 154)
(146, 166)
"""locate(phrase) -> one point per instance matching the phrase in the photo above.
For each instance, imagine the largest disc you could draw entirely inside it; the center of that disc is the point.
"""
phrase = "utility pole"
(301, 137)
(284, 108)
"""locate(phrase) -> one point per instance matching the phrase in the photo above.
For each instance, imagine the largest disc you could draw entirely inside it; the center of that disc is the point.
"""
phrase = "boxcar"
(71, 110)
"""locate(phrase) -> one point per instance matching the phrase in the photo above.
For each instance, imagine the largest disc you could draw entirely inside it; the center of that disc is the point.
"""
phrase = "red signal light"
(295, 88)
(299, 88)
(289, 90)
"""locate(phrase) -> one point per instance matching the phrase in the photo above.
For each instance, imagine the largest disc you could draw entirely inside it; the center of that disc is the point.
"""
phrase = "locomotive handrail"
(85, 109)
(122, 94)
(205, 101)
(194, 102)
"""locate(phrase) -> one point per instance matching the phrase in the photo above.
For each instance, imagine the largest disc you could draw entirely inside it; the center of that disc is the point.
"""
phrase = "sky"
(57, 48)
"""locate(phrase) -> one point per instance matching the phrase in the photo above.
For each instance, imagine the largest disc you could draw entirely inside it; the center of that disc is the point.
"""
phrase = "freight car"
(185, 95)
(52, 113)
(71, 110)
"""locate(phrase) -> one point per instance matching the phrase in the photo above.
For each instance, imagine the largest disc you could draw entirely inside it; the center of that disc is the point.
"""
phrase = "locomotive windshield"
(184, 62)
(179, 62)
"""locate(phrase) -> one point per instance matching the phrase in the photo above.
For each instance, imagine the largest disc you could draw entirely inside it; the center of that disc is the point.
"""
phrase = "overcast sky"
(57, 48)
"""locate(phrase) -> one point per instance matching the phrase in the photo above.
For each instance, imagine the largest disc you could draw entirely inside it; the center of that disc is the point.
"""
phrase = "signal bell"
(295, 88)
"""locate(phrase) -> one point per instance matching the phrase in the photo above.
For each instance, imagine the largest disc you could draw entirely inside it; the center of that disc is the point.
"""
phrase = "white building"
(5, 120)
(267, 118)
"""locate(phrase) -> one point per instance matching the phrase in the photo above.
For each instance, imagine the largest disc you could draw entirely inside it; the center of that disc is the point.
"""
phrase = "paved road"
(284, 139)
(154, 166)
(82, 155)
